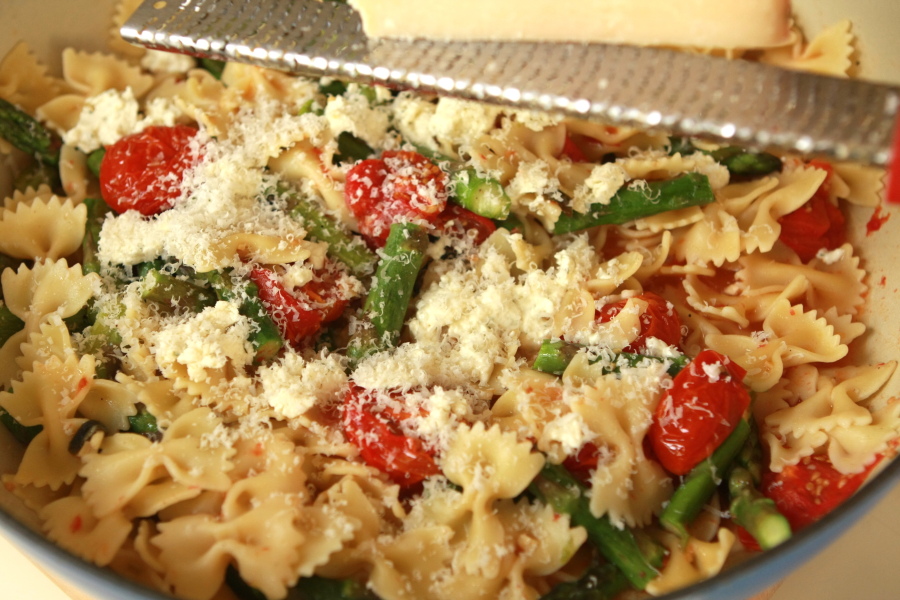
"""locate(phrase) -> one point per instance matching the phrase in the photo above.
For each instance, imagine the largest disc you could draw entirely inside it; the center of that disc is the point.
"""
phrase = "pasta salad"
(264, 335)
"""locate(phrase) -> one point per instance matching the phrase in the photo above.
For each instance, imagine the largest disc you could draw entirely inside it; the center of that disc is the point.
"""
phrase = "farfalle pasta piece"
(791, 337)
(692, 562)
(24, 81)
(715, 239)
(28, 196)
(302, 162)
(44, 230)
(831, 408)
(828, 53)
(137, 469)
(49, 396)
(92, 73)
(618, 409)
(74, 174)
(760, 221)
(48, 287)
(864, 184)
(266, 249)
(70, 523)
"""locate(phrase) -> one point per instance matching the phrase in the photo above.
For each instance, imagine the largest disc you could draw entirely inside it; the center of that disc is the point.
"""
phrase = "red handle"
(892, 185)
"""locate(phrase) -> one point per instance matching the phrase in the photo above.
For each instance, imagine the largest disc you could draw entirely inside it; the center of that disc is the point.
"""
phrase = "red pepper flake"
(259, 449)
(76, 524)
(877, 221)
(883, 281)
(82, 383)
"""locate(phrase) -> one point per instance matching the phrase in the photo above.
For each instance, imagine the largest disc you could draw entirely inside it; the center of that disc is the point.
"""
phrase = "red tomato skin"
(458, 220)
(380, 442)
(815, 225)
(583, 463)
(299, 314)
(809, 490)
(659, 321)
(698, 412)
(401, 186)
(144, 171)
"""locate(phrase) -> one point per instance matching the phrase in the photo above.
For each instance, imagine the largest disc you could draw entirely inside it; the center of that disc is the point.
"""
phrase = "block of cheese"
(688, 23)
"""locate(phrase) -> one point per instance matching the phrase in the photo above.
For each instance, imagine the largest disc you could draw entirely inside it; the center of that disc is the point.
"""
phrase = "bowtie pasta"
(260, 332)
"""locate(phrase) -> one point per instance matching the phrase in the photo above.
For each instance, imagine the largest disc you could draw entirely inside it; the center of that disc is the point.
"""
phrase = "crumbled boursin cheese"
(111, 115)
(443, 125)
(534, 187)
(354, 113)
(293, 385)
(599, 187)
(165, 63)
(210, 341)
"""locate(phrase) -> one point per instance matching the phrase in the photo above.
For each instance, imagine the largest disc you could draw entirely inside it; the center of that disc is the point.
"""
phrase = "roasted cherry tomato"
(809, 490)
(375, 430)
(299, 313)
(401, 186)
(572, 151)
(659, 320)
(704, 405)
(144, 171)
(815, 225)
(583, 462)
(460, 221)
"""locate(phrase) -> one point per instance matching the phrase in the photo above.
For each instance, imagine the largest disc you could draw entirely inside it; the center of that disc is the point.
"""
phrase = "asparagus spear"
(266, 339)
(755, 512)
(484, 196)
(599, 582)
(27, 134)
(749, 507)
(215, 67)
(37, 174)
(96, 213)
(700, 484)
(638, 561)
(168, 291)
(144, 423)
(630, 203)
(554, 356)
(342, 245)
(322, 588)
(95, 159)
(21, 433)
(351, 148)
(738, 161)
(392, 287)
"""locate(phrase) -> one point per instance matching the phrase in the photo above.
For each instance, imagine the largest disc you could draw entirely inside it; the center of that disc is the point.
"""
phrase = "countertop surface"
(863, 563)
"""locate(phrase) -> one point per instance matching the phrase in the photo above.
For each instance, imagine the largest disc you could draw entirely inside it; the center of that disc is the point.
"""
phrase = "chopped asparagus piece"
(637, 559)
(342, 245)
(266, 338)
(700, 484)
(630, 203)
(215, 67)
(20, 432)
(738, 161)
(322, 588)
(37, 174)
(351, 148)
(97, 210)
(144, 423)
(95, 159)
(168, 291)
(554, 356)
(392, 288)
(755, 512)
(27, 134)
(484, 196)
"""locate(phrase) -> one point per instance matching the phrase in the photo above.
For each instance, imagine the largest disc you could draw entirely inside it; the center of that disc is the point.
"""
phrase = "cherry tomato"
(659, 320)
(583, 462)
(572, 151)
(143, 171)
(401, 186)
(459, 220)
(376, 432)
(809, 490)
(704, 405)
(815, 225)
(299, 313)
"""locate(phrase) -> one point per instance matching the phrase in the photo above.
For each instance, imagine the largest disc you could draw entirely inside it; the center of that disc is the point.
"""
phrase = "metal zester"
(727, 100)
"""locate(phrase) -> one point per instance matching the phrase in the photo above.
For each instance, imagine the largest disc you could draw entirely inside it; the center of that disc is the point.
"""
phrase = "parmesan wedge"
(695, 23)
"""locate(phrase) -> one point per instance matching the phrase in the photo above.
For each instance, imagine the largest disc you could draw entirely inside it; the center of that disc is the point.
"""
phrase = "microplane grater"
(691, 94)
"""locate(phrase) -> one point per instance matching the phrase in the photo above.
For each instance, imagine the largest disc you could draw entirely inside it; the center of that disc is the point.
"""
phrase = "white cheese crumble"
(209, 341)
(830, 257)
(443, 125)
(165, 63)
(293, 385)
(111, 115)
(352, 112)
(599, 187)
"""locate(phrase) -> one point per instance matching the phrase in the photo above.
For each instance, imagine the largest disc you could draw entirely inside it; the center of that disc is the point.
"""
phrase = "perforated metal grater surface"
(689, 94)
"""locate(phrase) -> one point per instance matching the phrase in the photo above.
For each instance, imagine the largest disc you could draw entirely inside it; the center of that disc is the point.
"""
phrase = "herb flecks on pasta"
(182, 367)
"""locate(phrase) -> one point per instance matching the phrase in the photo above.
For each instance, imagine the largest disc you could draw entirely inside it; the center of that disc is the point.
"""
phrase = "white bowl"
(859, 564)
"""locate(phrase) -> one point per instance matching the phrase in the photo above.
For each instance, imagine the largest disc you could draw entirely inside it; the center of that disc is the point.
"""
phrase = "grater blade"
(688, 94)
